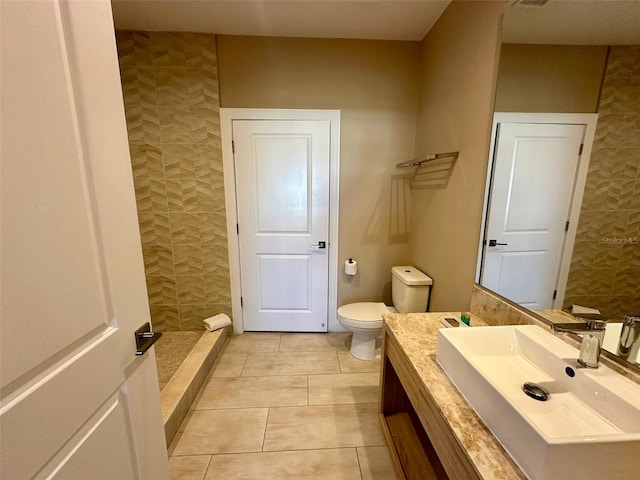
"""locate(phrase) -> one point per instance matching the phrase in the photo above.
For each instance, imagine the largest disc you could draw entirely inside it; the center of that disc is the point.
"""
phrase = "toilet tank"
(410, 289)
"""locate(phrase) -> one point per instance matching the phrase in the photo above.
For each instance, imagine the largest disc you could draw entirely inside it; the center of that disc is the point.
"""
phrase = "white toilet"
(410, 293)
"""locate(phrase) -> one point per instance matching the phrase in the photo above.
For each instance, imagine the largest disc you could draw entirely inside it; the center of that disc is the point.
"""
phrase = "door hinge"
(566, 226)
(242, 302)
(555, 294)
(233, 147)
(238, 229)
(581, 147)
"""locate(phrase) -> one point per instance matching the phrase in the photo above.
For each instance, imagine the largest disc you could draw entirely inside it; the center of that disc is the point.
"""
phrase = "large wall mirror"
(562, 224)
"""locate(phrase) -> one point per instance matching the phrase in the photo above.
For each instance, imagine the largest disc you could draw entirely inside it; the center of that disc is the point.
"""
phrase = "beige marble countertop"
(416, 334)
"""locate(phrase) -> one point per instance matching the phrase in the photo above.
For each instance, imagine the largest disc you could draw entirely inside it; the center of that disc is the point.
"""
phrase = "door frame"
(227, 116)
(589, 120)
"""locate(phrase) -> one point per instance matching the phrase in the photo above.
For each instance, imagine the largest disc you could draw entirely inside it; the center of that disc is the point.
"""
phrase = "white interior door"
(533, 181)
(76, 403)
(282, 185)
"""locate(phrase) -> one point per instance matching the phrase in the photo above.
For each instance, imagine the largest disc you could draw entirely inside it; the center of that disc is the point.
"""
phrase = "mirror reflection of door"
(534, 178)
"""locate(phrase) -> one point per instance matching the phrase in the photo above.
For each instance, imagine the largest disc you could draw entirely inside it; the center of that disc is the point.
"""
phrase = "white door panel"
(282, 184)
(533, 182)
(72, 278)
(78, 456)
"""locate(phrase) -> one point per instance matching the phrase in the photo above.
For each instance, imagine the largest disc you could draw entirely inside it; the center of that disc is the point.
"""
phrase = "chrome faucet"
(592, 335)
(629, 337)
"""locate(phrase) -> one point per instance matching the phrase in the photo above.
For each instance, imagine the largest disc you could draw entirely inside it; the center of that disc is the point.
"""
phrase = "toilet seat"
(365, 315)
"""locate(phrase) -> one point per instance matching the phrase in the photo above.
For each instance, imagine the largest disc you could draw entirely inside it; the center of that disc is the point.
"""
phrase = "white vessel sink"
(588, 428)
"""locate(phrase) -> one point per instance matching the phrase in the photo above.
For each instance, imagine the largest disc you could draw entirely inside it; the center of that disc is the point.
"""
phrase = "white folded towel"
(580, 310)
(215, 323)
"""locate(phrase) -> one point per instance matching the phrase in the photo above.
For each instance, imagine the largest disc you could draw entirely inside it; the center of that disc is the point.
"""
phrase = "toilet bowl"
(364, 319)
(410, 293)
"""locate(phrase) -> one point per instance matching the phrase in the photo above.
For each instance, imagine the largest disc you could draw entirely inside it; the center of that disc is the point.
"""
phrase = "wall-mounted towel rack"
(433, 171)
(428, 158)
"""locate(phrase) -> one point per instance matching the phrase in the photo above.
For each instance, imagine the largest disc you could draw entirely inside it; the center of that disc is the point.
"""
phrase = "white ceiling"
(572, 22)
(366, 19)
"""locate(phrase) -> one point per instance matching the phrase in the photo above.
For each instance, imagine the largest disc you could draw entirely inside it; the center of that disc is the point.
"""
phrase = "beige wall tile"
(325, 426)
(158, 259)
(134, 48)
(138, 86)
(146, 161)
(290, 363)
(375, 463)
(344, 388)
(170, 88)
(162, 290)
(165, 317)
(151, 194)
(192, 316)
(334, 464)
(143, 124)
(192, 467)
(609, 225)
(248, 392)
(222, 431)
(185, 228)
(191, 290)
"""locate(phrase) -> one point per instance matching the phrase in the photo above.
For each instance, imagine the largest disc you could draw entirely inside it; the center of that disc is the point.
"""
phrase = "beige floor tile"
(209, 432)
(192, 467)
(290, 363)
(334, 464)
(246, 392)
(375, 463)
(324, 426)
(343, 388)
(253, 342)
(313, 342)
(350, 364)
(230, 365)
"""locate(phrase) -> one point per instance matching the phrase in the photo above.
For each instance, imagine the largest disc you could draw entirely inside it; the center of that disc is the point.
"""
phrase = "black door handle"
(145, 338)
(494, 243)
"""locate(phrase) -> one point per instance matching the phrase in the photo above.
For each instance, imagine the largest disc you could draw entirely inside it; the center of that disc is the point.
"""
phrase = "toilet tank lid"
(411, 275)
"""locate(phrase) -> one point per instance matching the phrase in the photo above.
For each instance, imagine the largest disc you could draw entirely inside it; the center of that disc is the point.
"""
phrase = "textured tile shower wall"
(605, 268)
(170, 87)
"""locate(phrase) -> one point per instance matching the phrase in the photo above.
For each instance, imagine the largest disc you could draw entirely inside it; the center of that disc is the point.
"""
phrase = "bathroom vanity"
(434, 433)
(431, 430)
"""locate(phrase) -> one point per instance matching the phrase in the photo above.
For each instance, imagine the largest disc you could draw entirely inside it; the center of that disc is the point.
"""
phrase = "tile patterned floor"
(285, 406)
(171, 350)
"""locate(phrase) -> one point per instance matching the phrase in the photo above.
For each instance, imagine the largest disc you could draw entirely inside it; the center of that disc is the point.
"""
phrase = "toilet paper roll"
(350, 267)
(215, 323)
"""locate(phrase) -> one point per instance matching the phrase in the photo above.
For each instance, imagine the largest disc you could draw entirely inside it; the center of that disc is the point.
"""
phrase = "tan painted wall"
(550, 78)
(460, 62)
(375, 85)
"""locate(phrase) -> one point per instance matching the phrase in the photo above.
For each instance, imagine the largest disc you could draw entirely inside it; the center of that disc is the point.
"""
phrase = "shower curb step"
(181, 390)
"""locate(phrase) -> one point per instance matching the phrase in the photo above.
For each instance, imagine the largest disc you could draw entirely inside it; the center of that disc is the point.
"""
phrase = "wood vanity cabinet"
(421, 443)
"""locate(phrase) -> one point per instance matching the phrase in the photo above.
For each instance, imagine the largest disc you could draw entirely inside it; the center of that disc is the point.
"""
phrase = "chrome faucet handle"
(593, 333)
(629, 336)
(583, 325)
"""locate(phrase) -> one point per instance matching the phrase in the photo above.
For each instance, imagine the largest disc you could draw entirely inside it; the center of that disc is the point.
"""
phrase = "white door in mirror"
(534, 174)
